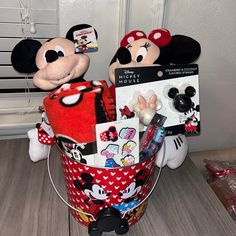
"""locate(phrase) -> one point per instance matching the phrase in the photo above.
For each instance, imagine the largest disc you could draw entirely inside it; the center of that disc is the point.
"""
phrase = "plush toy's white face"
(58, 64)
(143, 53)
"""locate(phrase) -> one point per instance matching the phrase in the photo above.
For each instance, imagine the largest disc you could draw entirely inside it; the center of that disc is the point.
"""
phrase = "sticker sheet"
(117, 143)
(176, 88)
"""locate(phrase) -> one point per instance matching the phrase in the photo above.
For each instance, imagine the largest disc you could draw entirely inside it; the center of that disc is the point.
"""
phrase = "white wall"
(213, 24)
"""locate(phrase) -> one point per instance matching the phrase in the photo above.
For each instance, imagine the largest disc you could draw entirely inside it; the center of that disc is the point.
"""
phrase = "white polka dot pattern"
(45, 138)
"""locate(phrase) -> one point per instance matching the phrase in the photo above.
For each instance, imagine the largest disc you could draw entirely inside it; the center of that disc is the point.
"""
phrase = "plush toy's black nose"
(51, 56)
(123, 55)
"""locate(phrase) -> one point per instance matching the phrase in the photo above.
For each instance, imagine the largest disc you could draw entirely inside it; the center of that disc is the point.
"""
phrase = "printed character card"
(117, 143)
(85, 40)
(172, 90)
(80, 152)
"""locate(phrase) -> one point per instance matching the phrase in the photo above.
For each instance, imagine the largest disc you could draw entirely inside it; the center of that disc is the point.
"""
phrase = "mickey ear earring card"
(117, 143)
(176, 88)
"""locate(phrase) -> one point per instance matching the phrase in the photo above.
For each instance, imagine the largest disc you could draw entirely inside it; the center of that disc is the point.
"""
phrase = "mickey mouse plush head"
(54, 62)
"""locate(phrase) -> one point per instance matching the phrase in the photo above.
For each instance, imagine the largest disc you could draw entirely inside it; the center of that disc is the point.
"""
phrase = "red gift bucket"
(102, 199)
(107, 199)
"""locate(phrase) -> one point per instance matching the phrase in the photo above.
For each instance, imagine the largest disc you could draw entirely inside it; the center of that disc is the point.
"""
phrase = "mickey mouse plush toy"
(159, 48)
(54, 63)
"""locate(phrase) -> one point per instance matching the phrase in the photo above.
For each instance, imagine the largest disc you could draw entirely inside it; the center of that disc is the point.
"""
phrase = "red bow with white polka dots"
(44, 137)
(160, 37)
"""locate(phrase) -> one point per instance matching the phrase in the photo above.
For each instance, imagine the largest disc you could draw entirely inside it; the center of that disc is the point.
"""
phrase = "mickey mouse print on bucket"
(92, 189)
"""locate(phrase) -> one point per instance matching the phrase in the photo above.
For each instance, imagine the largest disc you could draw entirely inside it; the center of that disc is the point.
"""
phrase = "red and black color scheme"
(182, 101)
(109, 135)
(112, 195)
(126, 113)
(74, 109)
(159, 47)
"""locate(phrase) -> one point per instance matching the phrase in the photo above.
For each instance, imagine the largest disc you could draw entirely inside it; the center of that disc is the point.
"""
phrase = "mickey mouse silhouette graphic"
(182, 101)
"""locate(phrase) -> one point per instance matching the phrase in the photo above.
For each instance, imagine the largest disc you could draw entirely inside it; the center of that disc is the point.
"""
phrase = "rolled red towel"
(73, 110)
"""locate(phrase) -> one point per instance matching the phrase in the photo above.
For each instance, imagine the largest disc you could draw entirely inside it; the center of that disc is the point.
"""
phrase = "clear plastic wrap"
(222, 179)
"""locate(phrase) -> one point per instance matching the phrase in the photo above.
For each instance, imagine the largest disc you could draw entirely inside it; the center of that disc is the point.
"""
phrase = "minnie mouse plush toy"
(158, 48)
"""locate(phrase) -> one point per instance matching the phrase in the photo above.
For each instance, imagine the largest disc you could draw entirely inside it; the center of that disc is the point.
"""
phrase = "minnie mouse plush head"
(55, 61)
(159, 47)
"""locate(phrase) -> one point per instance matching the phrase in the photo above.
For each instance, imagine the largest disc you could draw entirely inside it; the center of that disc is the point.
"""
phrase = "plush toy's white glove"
(37, 150)
(174, 151)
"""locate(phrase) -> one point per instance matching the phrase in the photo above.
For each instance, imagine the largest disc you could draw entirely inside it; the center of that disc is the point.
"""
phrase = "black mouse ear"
(78, 185)
(197, 108)
(123, 55)
(23, 56)
(112, 129)
(173, 92)
(87, 177)
(184, 49)
(181, 50)
(190, 91)
(70, 33)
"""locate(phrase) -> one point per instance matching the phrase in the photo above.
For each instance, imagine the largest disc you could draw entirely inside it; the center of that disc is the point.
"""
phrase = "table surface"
(182, 203)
